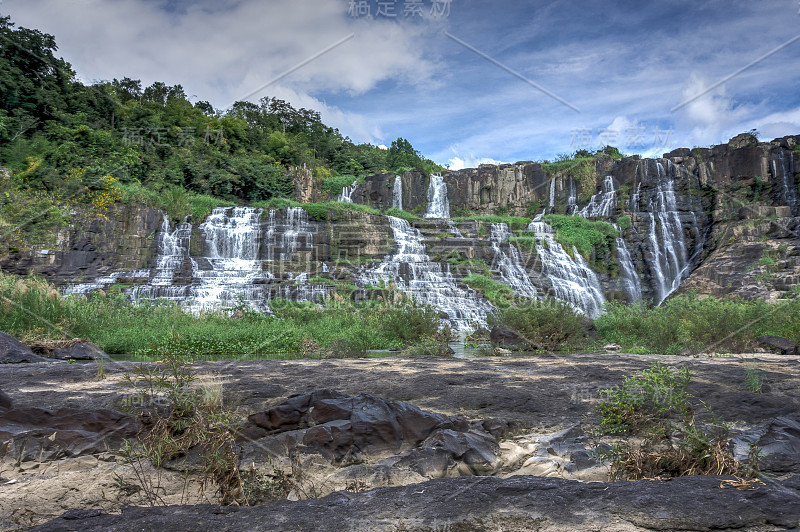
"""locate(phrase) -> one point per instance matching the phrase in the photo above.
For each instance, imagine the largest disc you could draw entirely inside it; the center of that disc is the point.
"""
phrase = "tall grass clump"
(584, 235)
(699, 324)
(499, 294)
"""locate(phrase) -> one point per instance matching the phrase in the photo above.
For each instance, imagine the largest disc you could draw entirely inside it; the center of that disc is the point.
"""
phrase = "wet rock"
(778, 345)
(39, 434)
(12, 351)
(487, 503)
(80, 351)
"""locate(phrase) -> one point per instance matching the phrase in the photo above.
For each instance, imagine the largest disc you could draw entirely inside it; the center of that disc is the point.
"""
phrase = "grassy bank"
(35, 310)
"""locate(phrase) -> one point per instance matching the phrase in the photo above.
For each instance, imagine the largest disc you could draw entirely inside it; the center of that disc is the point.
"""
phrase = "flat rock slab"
(484, 503)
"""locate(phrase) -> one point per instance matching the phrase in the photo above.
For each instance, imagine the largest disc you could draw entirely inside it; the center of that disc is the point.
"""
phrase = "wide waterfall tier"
(508, 264)
(236, 244)
(571, 279)
(412, 271)
(397, 192)
(438, 204)
(603, 204)
(668, 257)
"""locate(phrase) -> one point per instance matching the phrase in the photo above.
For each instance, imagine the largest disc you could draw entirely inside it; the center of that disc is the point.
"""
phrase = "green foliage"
(624, 223)
(400, 213)
(499, 294)
(581, 169)
(753, 380)
(335, 184)
(656, 406)
(526, 242)
(656, 392)
(584, 235)
(699, 324)
(543, 324)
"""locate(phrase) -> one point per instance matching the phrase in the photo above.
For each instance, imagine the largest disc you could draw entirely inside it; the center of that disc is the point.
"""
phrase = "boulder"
(39, 434)
(507, 338)
(80, 351)
(12, 351)
(343, 428)
(780, 445)
(777, 344)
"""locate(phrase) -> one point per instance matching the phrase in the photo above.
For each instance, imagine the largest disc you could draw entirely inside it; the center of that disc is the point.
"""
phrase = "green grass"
(400, 213)
(584, 235)
(700, 325)
(177, 201)
(334, 185)
(525, 242)
(31, 309)
(498, 294)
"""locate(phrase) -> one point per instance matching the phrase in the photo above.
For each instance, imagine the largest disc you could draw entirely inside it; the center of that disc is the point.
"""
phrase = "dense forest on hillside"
(67, 142)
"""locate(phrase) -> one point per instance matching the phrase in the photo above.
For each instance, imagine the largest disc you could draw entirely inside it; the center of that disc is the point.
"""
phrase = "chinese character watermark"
(628, 139)
(410, 9)
(162, 136)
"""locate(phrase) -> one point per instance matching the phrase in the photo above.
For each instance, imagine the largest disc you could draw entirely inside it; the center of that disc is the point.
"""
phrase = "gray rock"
(779, 345)
(12, 351)
(507, 338)
(486, 503)
(780, 445)
(80, 351)
(5, 400)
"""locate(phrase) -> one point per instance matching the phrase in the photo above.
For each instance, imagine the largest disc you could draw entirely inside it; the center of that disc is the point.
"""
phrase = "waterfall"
(633, 202)
(226, 275)
(451, 226)
(509, 264)
(438, 204)
(412, 271)
(173, 253)
(630, 279)
(397, 192)
(603, 204)
(347, 193)
(572, 280)
(572, 198)
(668, 257)
(552, 195)
(783, 173)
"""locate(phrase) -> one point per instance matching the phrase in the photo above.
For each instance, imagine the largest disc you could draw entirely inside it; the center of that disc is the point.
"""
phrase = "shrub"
(584, 235)
(499, 294)
(544, 324)
(656, 406)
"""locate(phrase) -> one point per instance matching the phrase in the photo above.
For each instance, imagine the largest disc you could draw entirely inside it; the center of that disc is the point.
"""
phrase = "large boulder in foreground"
(12, 351)
(485, 503)
(341, 439)
(778, 344)
(39, 434)
(5, 400)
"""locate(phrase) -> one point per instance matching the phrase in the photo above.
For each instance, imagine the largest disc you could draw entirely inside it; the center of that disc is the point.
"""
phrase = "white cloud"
(457, 163)
(221, 54)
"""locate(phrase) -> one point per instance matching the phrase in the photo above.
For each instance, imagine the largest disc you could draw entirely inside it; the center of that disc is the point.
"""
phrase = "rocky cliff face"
(720, 220)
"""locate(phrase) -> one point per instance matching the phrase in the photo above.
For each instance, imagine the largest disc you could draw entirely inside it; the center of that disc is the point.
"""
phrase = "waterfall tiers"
(248, 256)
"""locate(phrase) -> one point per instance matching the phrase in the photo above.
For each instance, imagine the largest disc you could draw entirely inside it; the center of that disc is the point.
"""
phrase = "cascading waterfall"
(572, 280)
(451, 226)
(552, 202)
(226, 275)
(603, 204)
(668, 258)
(572, 198)
(783, 172)
(508, 263)
(173, 252)
(397, 192)
(633, 202)
(412, 271)
(347, 193)
(630, 280)
(438, 204)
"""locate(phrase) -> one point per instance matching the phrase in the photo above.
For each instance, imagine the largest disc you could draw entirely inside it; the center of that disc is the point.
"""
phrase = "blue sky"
(625, 66)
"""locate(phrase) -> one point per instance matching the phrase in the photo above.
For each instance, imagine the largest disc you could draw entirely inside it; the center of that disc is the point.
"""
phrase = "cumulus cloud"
(221, 52)
(457, 163)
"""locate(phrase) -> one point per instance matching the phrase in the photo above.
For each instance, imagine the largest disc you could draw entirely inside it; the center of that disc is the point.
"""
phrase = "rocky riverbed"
(398, 444)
